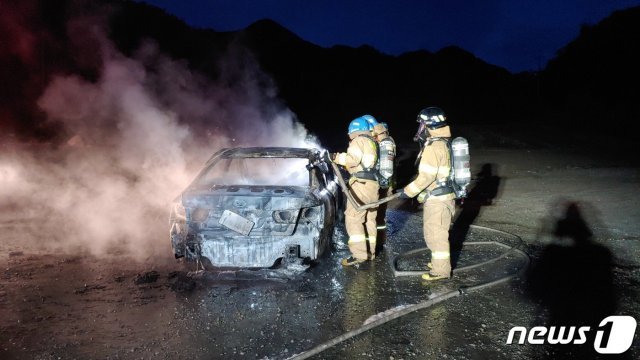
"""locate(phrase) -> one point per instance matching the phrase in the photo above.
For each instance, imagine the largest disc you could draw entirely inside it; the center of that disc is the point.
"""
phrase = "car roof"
(267, 152)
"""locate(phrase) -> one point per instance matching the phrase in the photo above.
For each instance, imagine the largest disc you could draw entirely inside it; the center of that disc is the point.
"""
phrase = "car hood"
(251, 196)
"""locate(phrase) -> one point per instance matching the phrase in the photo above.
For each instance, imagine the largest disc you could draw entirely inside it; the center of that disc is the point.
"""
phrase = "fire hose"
(356, 204)
(407, 309)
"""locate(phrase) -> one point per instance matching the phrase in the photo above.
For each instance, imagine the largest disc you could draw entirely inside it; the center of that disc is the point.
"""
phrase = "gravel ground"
(58, 304)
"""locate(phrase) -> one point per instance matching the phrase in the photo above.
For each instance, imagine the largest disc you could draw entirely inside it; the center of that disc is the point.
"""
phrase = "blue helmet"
(371, 120)
(358, 124)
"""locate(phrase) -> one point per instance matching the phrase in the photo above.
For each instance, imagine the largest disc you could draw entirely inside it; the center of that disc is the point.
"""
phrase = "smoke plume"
(134, 138)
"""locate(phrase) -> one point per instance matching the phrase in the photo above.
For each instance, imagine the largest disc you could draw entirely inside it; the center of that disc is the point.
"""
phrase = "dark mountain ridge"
(593, 81)
(594, 77)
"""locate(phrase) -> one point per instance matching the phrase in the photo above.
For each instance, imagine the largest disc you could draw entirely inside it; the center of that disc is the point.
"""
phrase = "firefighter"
(432, 188)
(360, 161)
(386, 167)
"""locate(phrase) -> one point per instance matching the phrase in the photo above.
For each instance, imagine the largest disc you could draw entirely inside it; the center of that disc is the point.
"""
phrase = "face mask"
(421, 135)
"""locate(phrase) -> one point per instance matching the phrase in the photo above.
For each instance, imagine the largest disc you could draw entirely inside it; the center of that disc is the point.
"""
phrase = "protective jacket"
(434, 169)
(361, 156)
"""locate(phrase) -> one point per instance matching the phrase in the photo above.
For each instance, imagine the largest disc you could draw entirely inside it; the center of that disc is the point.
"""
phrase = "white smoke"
(136, 137)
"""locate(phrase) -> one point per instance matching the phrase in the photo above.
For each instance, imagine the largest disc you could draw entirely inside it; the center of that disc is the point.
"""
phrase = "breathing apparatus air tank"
(461, 166)
(387, 156)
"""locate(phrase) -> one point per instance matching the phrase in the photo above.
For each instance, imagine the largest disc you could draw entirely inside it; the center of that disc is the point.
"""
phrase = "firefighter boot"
(433, 277)
(351, 261)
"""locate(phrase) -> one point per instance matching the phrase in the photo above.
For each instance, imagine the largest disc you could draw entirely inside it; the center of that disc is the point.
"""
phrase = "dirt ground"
(66, 305)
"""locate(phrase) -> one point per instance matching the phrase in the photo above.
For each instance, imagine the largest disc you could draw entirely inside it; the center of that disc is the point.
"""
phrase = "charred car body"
(256, 207)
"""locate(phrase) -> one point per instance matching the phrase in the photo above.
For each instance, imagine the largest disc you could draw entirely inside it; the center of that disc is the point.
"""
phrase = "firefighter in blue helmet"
(386, 168)
(360, 161)
(432, 189)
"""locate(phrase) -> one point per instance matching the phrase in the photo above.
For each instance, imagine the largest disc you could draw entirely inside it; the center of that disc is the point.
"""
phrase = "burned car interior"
(256, 208)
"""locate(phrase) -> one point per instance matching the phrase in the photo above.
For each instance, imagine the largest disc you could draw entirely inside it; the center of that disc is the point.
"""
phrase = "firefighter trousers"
(381, 218)
(437, 218)
(361, 225)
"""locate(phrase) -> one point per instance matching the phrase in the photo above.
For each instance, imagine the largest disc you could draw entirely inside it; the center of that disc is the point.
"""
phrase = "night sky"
(515, 34)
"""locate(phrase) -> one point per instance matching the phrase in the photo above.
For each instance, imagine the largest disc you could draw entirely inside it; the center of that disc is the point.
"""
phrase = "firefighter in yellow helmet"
(360, 161)
(432, 189)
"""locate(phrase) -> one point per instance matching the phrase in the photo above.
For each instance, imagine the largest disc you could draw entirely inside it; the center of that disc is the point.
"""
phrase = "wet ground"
(61, 305)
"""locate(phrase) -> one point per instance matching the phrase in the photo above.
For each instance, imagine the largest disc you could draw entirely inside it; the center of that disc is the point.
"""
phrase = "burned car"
(257, 208)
